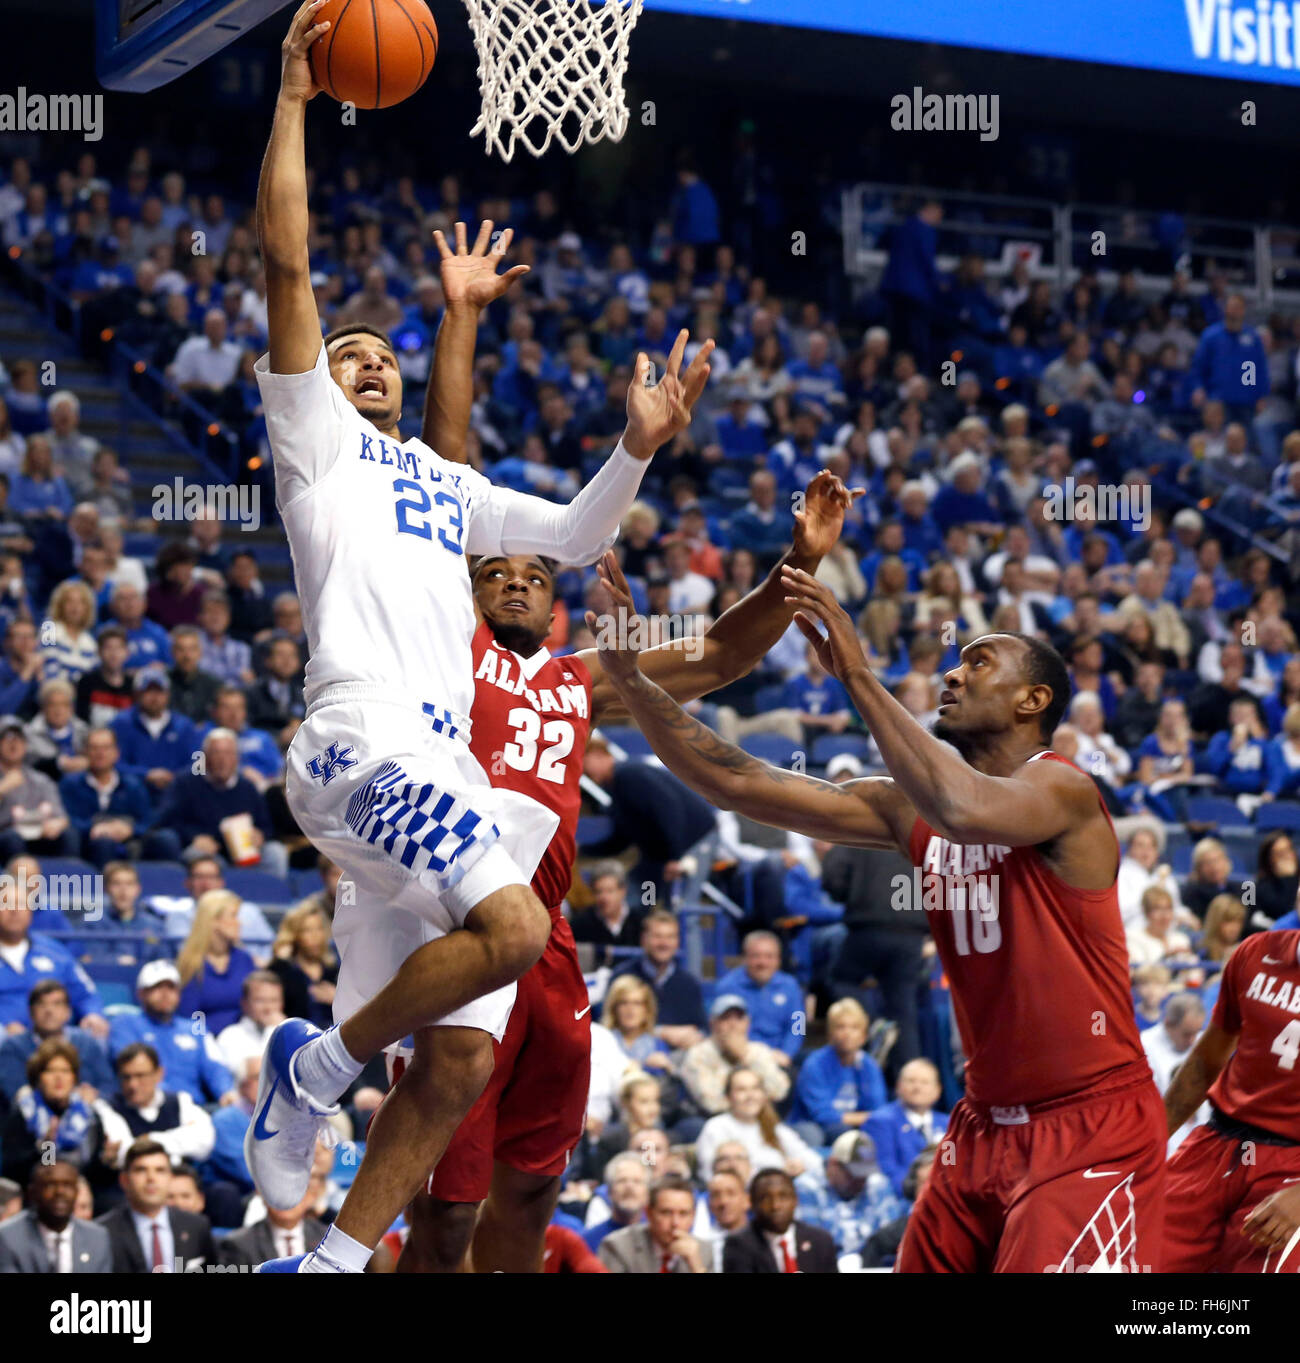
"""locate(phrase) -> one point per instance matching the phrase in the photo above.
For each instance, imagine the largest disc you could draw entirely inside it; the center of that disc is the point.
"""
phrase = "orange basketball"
(376, 53)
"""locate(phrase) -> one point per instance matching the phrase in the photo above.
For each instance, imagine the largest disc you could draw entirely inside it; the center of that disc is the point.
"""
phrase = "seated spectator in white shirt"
(207, 363)
(1167, 1046)
(1156, 938)
(261, 1002)
(1099, 755)
(282, 1234)
(752, 1120)
(707, 1066)
(688, 593)
(1141, 867)
(728, 1210)
(142, 1107)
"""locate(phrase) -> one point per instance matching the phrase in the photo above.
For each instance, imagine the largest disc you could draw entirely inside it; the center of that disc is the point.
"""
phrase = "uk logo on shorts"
(325, 766)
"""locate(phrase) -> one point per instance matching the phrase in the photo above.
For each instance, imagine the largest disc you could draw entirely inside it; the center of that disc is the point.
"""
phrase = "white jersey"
(379, 533)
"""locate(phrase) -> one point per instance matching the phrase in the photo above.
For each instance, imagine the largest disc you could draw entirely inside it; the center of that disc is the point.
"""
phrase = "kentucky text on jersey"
(498, 668)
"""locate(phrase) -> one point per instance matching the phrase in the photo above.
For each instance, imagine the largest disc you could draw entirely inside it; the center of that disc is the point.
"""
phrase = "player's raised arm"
(516, 523)
(740, 638)
(1194, 1077)
(868, 813)
(293, 324)
(1035, 805)
(469, 283)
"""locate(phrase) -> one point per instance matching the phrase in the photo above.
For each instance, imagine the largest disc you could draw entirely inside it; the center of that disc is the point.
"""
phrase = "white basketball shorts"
(387, 788)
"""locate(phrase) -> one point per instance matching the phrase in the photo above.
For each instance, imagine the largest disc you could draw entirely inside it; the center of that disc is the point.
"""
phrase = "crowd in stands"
(1115, 469)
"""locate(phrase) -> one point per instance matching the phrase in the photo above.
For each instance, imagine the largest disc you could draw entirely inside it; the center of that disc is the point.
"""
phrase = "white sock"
(337, 1253)
(323, 1068)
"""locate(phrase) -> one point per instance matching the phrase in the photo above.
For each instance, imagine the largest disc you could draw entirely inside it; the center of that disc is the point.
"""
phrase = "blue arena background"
(1167, 35)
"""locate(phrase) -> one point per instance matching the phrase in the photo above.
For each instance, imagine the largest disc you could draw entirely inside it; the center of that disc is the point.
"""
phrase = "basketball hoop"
(551, 70)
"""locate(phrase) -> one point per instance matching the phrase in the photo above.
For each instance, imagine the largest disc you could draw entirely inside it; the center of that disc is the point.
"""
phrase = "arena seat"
(161, 877)
(593, 828)
(66, 866)
(770, 748)
(1278, 814)
(833, 745)
(259, 886)
(1215, 809)
(768, 698)
(116, 983)
(632, 741)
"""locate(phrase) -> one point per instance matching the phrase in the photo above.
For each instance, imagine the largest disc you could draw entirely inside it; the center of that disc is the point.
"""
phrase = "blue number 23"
(420, 505)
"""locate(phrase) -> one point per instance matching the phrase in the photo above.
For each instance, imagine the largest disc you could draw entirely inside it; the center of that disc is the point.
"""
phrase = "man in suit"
(905, 1127)
(147, 1235)
(46, 1238)
(774, 1242)
(281, 1234)
(663, 1243)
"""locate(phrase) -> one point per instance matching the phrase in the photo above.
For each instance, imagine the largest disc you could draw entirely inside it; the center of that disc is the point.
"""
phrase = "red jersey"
(1038, 971)
(566, 1252)
(1259, 1003)
(531, 718)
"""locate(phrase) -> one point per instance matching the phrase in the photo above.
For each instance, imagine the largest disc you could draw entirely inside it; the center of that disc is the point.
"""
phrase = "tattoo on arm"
(700, 740)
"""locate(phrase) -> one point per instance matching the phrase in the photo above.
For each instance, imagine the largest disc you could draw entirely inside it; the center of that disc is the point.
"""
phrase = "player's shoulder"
(1274, 948)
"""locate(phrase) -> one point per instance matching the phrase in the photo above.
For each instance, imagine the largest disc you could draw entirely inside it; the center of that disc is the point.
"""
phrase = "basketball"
(377, 52)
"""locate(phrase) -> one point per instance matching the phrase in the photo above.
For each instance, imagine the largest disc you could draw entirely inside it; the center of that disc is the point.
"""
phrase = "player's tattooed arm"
(1193, 1078)
(469, 283)
(741, 637)
(868, 813)
(293, 323)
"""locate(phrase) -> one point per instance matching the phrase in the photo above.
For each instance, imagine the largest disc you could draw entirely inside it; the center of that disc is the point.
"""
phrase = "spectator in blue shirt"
(223, 656)
(627, 1181)
(910, 282)
(38, 492)
(857, 1198)
(1230, 364)
(1282, 759)
(963, 500)
(147, 642)
(821, 702)
(186, 1046)
(840, 1085)
(111, 811)
(212, 964)
(20, 669)
(260, 759)
(910, 1124)
(28, 957)
(50, 1012)
(679, 997)
(762, 527)
(154, 743)
(817, 377)
(1237, 755)
(741, 436)
(774, 999)
(629, 1013)
(694, 209)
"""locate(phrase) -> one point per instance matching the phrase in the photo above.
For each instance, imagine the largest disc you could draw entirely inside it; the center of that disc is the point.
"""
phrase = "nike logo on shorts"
(1102, 1173)
(579, 1016)
(1268, 960)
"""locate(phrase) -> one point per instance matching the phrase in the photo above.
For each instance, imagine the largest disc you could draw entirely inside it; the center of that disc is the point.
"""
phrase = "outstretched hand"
(818, 525)
(839, 650)
(616, 634)
(470, 277)
(296, 79)
(655, 415)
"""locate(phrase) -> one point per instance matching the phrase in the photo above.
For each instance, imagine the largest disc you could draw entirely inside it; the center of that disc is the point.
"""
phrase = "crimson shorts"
(1215, 1182)
(1071, 1187)
(533, 1110)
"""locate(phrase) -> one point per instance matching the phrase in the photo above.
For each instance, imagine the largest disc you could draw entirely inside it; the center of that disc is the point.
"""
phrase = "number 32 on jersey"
(538, 745)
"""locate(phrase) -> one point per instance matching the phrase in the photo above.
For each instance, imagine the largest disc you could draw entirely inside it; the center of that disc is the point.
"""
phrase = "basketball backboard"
(142, 44)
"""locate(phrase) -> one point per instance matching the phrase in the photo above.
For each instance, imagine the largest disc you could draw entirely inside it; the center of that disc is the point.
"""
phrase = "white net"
(551, 70)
